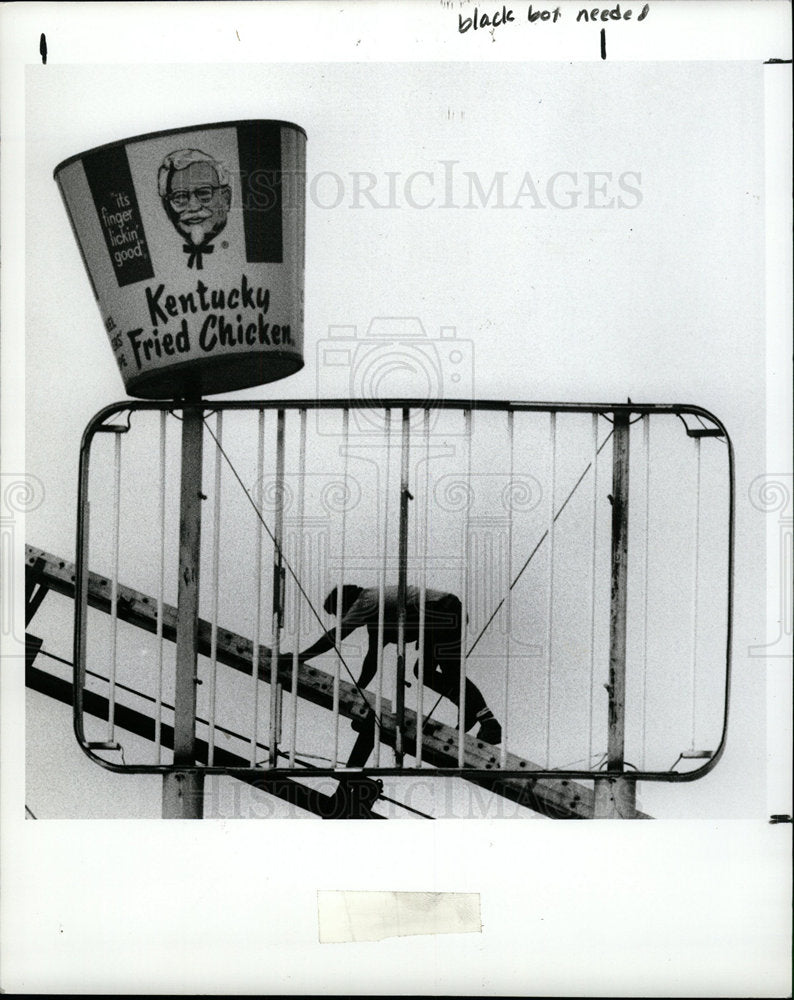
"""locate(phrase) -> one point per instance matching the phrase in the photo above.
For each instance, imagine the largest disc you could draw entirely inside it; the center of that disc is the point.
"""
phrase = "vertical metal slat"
(216, 548)
(509, 601)
(260, 464)
(464, 597)
(278, 600)
(646, 442)
(420, 693)
(399, 747)
(158, 718)
(695, 594)
(297, 602)
(340, 584)
(114, 586)
(593, 542)
(382, 582)
(550, 586)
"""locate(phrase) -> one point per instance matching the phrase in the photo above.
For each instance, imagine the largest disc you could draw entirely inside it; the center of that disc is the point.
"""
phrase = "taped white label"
(355, 915)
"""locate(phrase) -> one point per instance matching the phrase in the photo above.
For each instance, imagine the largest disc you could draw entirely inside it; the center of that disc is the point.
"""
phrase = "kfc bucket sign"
(193, 241)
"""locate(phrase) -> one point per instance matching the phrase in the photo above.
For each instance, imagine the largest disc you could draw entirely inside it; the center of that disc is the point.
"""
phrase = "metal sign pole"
(183, 791)
(615, 797)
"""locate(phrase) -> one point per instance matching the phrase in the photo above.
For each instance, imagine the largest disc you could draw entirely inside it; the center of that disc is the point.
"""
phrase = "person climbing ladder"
(441, 647)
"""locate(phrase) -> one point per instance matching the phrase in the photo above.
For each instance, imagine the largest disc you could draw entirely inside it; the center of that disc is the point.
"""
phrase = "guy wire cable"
(528, 561)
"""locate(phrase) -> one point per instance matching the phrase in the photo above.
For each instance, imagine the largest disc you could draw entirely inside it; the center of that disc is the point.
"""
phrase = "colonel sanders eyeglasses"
(180, 200)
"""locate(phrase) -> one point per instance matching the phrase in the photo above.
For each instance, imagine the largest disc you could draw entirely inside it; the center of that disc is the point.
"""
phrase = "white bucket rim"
(206, 126)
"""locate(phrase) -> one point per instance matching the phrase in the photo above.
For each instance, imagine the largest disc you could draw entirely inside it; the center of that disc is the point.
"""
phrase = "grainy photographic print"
(403, 437)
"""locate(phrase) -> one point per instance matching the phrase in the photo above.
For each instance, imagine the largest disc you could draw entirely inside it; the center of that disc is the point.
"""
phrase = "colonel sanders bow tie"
(196, 253)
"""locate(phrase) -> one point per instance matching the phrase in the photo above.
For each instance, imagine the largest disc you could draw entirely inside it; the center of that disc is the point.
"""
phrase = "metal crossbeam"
(562, 798)
(327, 806)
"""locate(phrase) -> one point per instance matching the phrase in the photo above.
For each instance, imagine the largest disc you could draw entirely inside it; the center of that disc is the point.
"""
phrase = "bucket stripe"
(259, 150)
(110, 181)
(78, 241)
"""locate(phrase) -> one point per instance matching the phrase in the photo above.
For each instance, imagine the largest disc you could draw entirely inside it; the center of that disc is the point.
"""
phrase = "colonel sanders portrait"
(196, 195)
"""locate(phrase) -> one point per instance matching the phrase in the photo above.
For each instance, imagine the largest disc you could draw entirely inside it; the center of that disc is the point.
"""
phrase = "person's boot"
(490, 731)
